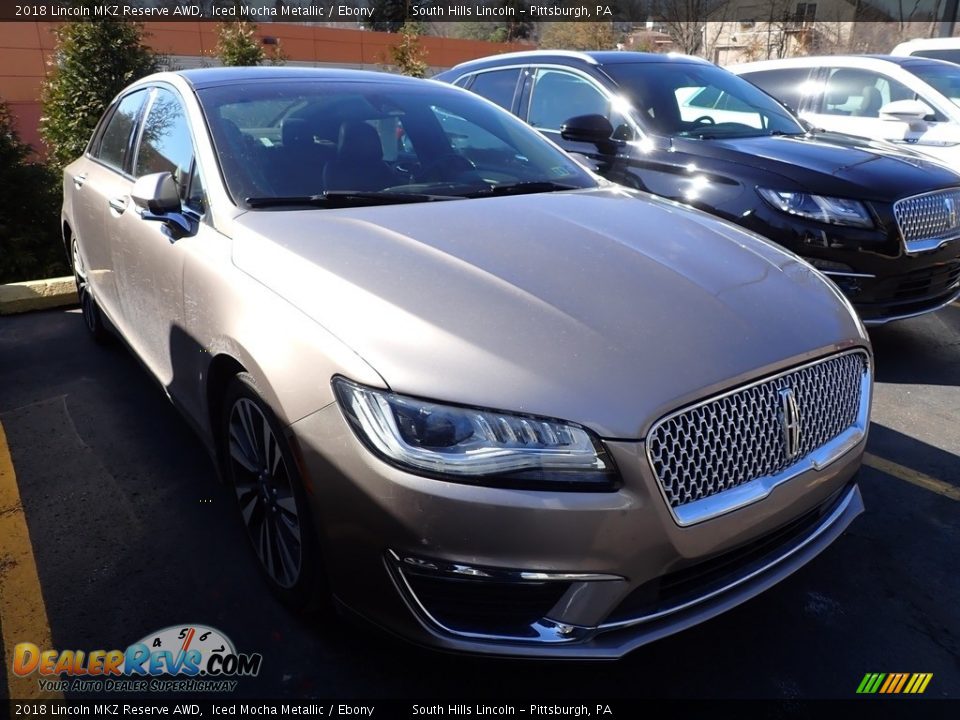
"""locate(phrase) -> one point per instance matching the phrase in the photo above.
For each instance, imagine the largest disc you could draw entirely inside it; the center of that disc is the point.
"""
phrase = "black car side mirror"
(159, 199)
(594, 129)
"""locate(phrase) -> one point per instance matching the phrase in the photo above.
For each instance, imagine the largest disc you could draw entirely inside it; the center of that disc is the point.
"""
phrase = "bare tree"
(685, 20)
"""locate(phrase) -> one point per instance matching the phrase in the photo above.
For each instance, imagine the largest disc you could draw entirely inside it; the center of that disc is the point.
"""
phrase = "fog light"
(829, 266)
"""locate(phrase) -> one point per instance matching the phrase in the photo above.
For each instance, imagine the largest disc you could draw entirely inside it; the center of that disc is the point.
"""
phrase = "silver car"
(489, 401)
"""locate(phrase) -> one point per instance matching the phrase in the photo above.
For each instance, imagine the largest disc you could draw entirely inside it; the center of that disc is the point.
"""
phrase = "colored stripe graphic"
(894, 683)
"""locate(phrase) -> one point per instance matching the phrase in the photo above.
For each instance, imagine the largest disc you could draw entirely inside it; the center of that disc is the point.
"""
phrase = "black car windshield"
(324, 143)
(680, 99)
(944, 78)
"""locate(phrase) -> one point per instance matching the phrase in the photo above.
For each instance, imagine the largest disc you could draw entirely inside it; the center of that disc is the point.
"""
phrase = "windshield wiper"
(346, 198)
(522, 188)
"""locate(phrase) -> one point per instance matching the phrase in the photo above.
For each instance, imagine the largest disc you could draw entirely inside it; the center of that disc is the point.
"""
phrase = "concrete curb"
(37, 295)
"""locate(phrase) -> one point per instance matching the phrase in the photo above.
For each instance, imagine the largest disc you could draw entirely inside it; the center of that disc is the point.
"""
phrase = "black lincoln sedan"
(882, 222)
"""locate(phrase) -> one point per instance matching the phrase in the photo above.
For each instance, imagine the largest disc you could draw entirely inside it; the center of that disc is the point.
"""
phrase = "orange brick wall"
(26, 47)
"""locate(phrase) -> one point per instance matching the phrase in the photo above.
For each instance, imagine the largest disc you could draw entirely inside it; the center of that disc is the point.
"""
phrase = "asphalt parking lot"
(130, 533)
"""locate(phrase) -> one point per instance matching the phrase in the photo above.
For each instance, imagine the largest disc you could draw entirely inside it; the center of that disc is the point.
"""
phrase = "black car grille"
(928, 282)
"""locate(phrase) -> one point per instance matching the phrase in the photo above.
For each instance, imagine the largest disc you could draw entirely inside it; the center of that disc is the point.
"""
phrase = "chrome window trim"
(757, 489)
(132, 142)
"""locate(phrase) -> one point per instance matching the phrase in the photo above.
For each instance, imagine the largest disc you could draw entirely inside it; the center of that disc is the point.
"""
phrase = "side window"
(860, 93)
(787, 86)
(196, 198)
(497, 86)
(165, 143)
(559, 96)
(115, 141)
(705, 97)
(946, 54)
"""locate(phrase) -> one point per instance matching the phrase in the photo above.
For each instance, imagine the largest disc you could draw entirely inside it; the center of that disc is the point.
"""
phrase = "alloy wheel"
(265, 493)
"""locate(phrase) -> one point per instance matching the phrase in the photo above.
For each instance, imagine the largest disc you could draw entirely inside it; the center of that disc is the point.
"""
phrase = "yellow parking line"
(914, 477)
(23, 616)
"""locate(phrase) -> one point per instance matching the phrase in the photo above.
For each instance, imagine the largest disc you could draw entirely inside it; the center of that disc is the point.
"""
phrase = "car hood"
(831, 163)
(602, 307)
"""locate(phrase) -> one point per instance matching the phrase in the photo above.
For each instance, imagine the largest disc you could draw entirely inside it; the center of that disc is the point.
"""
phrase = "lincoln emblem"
(790, 420)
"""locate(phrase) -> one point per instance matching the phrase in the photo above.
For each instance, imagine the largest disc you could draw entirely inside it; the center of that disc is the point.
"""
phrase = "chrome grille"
(931, 217)
(725, 442)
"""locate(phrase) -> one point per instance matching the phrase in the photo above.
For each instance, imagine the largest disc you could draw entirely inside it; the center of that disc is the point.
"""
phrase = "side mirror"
(909, 111)
(157, 193)
(594, 129)
(158, 198)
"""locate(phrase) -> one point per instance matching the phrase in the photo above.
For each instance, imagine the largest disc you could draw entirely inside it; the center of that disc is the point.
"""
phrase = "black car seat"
(359, 163)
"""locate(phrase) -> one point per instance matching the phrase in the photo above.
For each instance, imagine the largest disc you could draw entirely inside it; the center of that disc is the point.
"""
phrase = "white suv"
(909, 100)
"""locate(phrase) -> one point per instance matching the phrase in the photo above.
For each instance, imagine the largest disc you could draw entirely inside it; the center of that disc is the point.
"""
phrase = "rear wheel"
(92, 317)
(269, 493)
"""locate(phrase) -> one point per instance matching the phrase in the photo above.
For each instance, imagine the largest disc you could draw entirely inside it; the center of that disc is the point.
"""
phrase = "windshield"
(945, 79)
(333, 143)
(702, 101)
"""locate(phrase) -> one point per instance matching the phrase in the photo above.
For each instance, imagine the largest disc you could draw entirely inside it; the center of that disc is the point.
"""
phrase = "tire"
(92, 317)
(271, 504)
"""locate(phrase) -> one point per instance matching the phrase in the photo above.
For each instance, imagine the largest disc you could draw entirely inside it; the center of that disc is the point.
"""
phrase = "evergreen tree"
(94, 60)
(238, 45)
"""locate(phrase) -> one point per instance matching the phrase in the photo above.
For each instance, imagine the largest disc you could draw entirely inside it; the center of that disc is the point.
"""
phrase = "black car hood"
(830, 163)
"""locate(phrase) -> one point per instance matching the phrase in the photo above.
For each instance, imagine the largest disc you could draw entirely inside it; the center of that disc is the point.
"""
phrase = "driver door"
(556, 95)
(149, 257)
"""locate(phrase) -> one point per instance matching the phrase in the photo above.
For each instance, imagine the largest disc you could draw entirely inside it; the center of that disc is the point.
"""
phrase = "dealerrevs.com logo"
(187, 658)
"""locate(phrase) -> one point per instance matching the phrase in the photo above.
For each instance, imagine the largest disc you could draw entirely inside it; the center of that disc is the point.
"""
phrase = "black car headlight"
(482, 447)
(830, 210)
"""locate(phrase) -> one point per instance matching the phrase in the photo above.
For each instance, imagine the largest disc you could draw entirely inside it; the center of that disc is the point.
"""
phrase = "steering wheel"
(704, 120)
(449, 166)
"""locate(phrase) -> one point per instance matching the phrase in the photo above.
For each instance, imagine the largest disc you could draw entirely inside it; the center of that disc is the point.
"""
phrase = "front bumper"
(871, 266)
(526, 573)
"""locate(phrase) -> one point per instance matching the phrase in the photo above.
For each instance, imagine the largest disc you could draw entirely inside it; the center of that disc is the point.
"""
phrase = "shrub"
(238, 45)
(30, 242)
(408, 54)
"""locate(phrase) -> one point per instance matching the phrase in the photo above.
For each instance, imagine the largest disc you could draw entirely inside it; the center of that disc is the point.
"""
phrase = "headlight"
(834, 211)
(483, 447)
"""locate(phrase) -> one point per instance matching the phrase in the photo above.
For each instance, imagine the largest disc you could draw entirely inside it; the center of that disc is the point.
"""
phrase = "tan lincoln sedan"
(479, 396)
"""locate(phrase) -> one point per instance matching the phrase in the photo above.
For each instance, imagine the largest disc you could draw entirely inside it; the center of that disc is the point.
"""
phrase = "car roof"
(812, 61)
(571, 57)
(209, 77)
(929, 43)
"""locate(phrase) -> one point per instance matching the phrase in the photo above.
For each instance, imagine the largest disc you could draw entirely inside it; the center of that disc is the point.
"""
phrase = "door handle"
(119, 203)
(79, 180)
